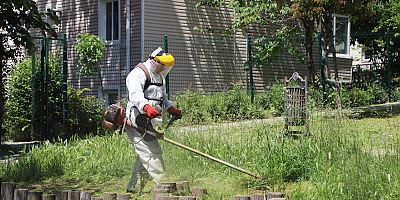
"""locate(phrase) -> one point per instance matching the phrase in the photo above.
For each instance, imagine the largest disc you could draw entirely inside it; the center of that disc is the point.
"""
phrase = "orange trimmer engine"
(113, 117)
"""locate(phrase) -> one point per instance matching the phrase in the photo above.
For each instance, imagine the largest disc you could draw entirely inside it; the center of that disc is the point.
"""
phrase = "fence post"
(7, 190)
(65, 87)
(40, 95)
(250, 63)
(388, 64)
(166, 78)
(321, 64)
(33, 99)
(46, 90)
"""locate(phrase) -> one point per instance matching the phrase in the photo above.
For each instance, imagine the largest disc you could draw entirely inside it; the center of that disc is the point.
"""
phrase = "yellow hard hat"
(163, 57)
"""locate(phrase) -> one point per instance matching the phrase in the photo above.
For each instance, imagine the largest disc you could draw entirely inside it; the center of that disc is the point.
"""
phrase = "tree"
(290, 24)
(321, 12)
(17, 19)
(90, 50)
(307, 12)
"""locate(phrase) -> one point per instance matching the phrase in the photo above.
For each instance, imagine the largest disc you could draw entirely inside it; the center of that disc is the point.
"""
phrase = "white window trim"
(347, 54)
(102, 22)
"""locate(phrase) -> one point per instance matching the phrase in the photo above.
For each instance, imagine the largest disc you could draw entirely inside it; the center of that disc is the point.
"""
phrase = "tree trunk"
(328, 30)
(101, 90)
(308, 43)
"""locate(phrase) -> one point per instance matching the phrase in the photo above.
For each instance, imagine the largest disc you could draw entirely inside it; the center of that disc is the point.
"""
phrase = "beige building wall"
(207, 60)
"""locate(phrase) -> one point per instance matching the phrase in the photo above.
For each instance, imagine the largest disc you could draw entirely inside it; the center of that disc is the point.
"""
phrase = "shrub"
(237, 104)
(234, 104)
(18, 109)
(379, 93)
(18, 112)
(84, 113)
(193, 107)
(272, 98)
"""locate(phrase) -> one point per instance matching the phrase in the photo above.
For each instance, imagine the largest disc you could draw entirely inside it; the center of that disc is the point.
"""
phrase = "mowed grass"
(341, 159)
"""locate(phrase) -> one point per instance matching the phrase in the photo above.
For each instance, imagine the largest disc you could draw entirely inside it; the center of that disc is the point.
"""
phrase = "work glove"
(175, 112)
(150, 111)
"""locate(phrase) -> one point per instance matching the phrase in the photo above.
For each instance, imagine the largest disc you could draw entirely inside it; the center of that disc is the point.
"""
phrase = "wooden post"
(124, 196)
(170, 186)
(271, 195)
(49, 197)
(199, 192)
(241, 197)
(86, 195)
(61, 195)
(187, 198)
(35, 195)
(20, 194)
(109, 196)
(170, 198)
(183, 186)
(73, 194)
(258, 197)
(7, 190)
(158, 194)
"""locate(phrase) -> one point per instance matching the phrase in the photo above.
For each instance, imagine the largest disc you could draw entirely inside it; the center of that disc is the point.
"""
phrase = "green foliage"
(211, 3)
(234, 104)
(18, 112)
(90, 50)
(84, 113)
(35, 165)
(194, 107)
(350, 97)
(74, 159)
(237, 104)
(339, 160)
(390, 17)
(17, 18)
(396, 95)
(273, 99)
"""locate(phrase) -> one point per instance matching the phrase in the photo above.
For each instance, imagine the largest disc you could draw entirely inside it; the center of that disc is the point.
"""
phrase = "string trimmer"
(171, 121)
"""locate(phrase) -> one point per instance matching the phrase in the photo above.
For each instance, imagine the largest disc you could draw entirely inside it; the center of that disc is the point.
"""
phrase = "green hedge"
(84, 113)
(235, 104)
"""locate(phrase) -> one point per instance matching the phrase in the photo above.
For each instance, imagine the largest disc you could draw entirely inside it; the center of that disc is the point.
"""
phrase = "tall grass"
(96, 159)
(342, 159)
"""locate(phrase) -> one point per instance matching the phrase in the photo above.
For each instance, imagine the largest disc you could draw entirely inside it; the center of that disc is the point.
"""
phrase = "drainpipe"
(128, 40)
(142, 30)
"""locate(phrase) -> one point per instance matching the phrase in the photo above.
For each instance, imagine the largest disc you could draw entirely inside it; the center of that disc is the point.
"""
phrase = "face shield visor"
(165, 59)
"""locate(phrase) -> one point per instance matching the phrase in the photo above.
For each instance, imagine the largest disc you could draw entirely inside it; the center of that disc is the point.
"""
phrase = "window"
(111, 96)
(341, 31)
(109, 19)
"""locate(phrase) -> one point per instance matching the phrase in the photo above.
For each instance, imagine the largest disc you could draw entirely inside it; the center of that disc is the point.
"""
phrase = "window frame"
(348, 31)
(102, 17)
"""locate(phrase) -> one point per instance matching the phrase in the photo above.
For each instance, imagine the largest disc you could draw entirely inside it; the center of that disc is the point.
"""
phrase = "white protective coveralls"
(149, 153)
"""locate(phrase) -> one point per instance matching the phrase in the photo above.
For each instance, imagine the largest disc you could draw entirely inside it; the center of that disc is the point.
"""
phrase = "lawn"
(343, 158)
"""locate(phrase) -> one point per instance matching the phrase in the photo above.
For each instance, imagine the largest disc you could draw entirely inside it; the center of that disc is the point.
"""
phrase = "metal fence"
(49, 97)
(209, 64)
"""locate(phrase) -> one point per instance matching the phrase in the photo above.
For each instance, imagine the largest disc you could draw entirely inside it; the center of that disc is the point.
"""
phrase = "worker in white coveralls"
(147, 100)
